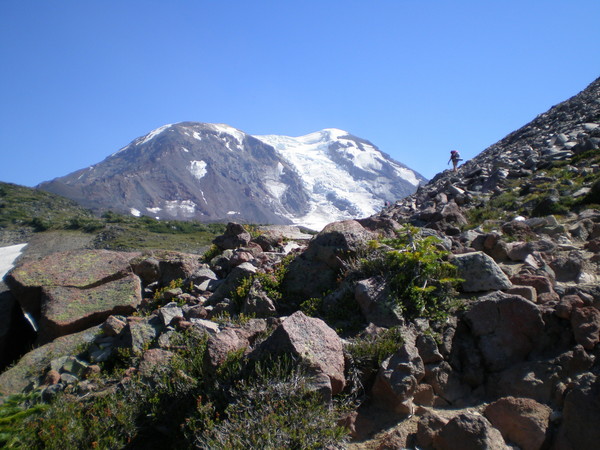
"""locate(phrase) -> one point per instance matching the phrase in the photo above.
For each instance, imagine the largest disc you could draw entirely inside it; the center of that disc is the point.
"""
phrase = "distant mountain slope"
(214, 172)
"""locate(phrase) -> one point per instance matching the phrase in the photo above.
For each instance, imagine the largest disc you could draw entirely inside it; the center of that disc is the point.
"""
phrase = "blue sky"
(81, 79)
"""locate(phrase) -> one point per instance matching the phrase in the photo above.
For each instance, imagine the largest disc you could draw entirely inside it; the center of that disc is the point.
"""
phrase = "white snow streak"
(135, 212)
(155, 133)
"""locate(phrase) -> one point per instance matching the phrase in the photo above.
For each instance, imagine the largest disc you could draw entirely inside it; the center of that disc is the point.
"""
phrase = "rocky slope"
(213, 172)
(464, 316)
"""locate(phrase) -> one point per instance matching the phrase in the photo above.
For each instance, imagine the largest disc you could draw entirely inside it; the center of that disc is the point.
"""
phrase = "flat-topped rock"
(67, 309)
(77, 269)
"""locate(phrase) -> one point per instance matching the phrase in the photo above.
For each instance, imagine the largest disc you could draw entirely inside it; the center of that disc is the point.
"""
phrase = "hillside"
(466, 315)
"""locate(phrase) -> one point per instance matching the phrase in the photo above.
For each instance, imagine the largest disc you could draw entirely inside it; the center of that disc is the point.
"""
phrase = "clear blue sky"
(81, 79)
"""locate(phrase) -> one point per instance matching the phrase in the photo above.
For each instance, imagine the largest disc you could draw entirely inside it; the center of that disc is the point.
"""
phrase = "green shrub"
(420, 279)
(13, 412)
(375, 348)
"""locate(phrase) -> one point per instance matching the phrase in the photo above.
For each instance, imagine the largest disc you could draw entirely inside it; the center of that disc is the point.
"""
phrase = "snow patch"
(153, 210)
(8, 255)
(185, 207)
(185, 149)
(196, 135)
(230, 213)
(135, 212)
(198, 169)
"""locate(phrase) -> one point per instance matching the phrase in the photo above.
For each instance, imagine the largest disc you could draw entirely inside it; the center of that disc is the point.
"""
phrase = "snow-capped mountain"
(214, 172)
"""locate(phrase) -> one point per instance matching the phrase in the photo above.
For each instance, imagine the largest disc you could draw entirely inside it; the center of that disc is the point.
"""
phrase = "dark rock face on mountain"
(217, 173)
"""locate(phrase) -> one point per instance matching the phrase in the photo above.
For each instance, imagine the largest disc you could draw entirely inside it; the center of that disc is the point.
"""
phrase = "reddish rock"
(314, 342)
(52, 377)
(469, 432)
(586, 326)
(221, 344)
(548, 298)
(153, 361)
(567, 304)
(112, 326)
(428, 427)
(540, 283)
(522, 421)
(240, 257)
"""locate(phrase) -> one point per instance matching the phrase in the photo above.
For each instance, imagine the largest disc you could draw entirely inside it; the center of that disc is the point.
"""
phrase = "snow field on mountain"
(325, 179)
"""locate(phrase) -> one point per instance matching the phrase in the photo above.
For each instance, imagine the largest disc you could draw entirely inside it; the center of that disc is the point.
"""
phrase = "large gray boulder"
(480, 272)
(507, 327)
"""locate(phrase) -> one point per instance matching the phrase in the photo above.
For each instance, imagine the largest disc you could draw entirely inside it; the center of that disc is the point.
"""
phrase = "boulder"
(235, 236)
(398, 378)
(568, 267)
(469, 432)
(176, 265)
(586, 326)
(446, 382)
(428, 427)
(541, 284)
(338, 242)
(154, 361)
(480, 273)
(67, 310)
(232, 281)
(139, 333)
(375, 304)
(257, 303)
(168, 312)
(522, 421)
(507, 328)
(527, 292)
(76, 269)
(220, 345)
(312, 341)
(581, 414)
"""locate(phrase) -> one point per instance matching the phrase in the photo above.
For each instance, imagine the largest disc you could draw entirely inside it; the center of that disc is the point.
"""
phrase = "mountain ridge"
(214, 172)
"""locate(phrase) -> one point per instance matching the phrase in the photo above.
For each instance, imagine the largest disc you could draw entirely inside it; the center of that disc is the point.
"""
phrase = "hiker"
(455, 158)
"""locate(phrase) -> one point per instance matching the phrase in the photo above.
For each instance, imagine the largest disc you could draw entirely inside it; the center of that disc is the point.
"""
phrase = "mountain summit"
(214, 172)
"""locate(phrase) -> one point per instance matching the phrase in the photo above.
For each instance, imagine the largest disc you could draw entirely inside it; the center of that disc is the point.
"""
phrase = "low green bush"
(421, 280)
